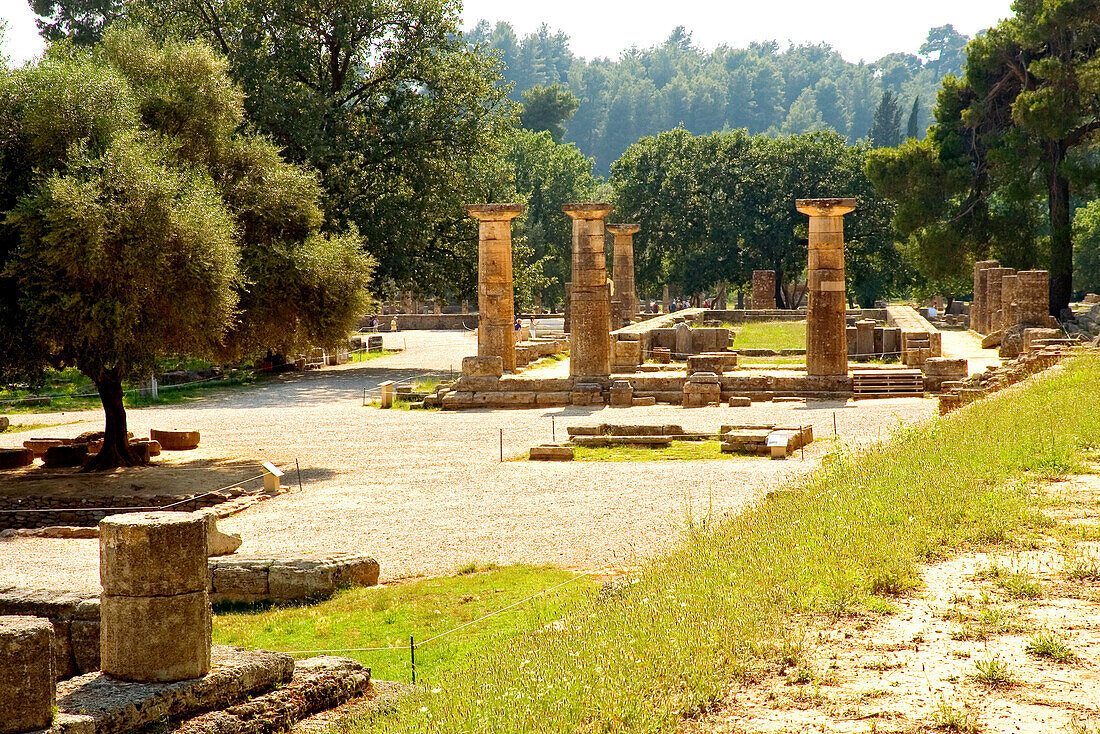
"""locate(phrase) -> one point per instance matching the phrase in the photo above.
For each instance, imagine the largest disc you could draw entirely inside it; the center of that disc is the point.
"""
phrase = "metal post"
(502, 445)
(299, 473)
(412, 657)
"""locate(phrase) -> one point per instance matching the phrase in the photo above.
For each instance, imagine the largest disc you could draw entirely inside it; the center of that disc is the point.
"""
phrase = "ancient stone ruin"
(763, 290)
(590, 309)
(624, 304)
(496, 313)
(826, 341)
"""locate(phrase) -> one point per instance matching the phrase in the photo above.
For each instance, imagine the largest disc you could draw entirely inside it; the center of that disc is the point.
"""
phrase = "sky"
(858, 29)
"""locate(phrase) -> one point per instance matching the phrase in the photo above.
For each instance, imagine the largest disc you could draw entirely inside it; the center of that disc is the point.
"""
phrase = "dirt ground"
(955, 656)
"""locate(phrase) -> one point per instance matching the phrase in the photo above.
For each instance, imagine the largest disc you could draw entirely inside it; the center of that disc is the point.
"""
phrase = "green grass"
(369, 356)
(727, 602)
(1017, 584)
(770, 335)
(993, 672)
(385, 616)
(25, 427)
(1045, 644)
(678, 451)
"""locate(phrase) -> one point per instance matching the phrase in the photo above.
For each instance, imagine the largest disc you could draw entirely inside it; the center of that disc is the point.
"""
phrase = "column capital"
(494, 212)
(587, 210)
(825, 207)
(618, 229)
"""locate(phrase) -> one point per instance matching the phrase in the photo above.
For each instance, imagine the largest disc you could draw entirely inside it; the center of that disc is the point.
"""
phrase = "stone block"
(643, 402)
(28, 683)
(243, 579)
(176, 439)
(66, 455)
(551, 453)
(702, 377)
(153, 553)
(740, 402)
(483, 366)
(553, 399)
(684, 341)
(699, 394)
(155, 638)
(662, 355)
(16, 458)
(622, 394)
(84, 636)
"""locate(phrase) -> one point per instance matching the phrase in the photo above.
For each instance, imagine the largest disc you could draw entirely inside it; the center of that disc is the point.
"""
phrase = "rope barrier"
(442, 634)
(133, 509)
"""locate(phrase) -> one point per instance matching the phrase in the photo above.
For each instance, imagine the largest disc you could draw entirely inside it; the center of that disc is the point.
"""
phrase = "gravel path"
(425, 492)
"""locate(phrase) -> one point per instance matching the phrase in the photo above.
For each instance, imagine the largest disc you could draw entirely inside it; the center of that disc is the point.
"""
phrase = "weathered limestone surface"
(119, 707)
(75, 620)
(623, 272)
(590, 315)
(763, 289)
(1010, 284)
(865, 338)
(153, 553)
(155, 618)
(826, 342)
(496, 311)
(979, 308)
(483, 366)
(27, 680)
(155, 638)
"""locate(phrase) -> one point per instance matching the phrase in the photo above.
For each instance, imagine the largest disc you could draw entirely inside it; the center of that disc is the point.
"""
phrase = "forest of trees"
(762, 88)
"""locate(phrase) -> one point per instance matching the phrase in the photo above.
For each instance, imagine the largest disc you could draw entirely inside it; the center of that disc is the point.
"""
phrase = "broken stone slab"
(319, 684)
(551, 453)
(483, 366)
(643, 402)
(738, 401)
(176, 439)
(119, 707)
(16, 458)
(319, 577)
(219, 543)
(993, 340)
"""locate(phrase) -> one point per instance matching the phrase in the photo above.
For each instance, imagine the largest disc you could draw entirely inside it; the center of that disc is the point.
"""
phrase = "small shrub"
(993, 672)
(1047, 644)
(949, 718)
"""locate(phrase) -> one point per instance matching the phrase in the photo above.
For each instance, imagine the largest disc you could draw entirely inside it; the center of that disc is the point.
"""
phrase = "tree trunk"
(1061, 231)
(780, 296)
(116, 443)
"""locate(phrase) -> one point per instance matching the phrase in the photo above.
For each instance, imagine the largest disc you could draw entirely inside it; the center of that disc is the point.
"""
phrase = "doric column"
(590, 312)
(1009, 285)
(495, 311)
(623, 274)
(1033, 297)
(826, 340)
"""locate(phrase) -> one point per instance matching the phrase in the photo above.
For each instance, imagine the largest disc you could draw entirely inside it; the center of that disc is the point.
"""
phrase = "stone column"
(623, 273)
(495, 312)
(1033, 297)
(589, 338)
(665, 300)
(979, 307)
(826, 342)
(568, 308)
(28, 685)
(1009, 285)
(993, 296)
(763, 289)
(154, 610)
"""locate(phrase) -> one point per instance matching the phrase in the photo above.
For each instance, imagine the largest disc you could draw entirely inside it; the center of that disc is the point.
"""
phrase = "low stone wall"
(919, 339)
(429, 321)
(745, 316)
(245, 579)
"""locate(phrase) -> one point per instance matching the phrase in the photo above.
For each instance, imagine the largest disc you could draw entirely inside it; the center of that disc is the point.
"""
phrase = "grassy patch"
(385, 616)
(1017, 584)
(993, 672)
(25, 427)
(355, 357)
(1046, 644)
(770, 335)
(724, 604)
(678, 451)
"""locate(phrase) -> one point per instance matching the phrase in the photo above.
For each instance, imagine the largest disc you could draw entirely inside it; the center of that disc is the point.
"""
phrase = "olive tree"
(141, 219)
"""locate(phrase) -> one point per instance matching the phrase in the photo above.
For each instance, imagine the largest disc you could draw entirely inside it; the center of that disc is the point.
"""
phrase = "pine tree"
(885, 129)
(913, 129)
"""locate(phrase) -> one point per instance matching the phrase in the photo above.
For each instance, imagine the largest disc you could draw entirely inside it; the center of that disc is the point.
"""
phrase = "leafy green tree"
(945, 50)
(1086, 248)
(912, 128)
(1018, 128)
(139, 223)
(548, 108)
(885, 130)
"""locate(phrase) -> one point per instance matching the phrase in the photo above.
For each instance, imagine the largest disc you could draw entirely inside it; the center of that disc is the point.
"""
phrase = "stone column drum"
(154, 611)
(623, 274)
(495, 310)
(589, 338)
(979, 316)
(763, 289)
(27, 678)
(1032, 297)
(826, 342)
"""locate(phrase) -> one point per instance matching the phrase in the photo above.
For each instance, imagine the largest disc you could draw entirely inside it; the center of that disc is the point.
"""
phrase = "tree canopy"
(139, 222)
(1016, 129)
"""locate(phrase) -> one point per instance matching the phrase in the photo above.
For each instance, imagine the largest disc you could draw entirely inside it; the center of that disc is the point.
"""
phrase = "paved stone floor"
(425, 492)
